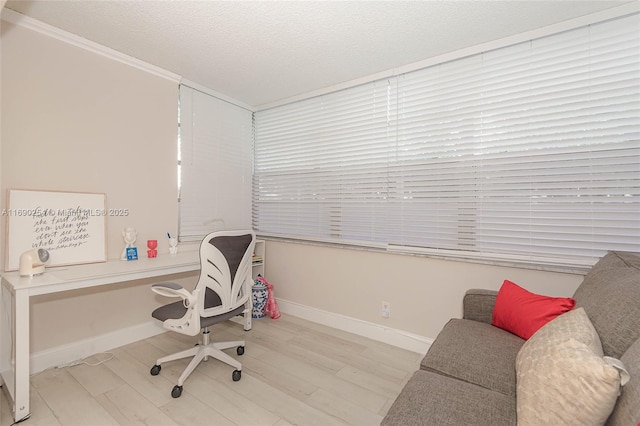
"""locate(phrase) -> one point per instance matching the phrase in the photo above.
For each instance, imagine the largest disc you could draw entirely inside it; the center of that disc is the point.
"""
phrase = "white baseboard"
(70, 353)
(391, 336)
(73, 352)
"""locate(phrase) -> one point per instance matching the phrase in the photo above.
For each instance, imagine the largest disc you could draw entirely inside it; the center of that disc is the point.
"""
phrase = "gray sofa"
(468, 376)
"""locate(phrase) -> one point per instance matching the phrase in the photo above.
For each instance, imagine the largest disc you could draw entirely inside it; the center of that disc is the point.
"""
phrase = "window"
(529, 152)
(215, 165)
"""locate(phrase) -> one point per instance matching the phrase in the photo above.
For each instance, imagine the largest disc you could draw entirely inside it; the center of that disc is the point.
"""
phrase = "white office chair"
(223, 291)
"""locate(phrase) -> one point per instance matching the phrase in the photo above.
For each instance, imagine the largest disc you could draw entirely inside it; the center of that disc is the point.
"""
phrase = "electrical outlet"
(386, 310)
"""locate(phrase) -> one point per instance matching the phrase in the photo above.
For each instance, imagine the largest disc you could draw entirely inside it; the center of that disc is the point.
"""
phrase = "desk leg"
(248, 307)
(21, 355)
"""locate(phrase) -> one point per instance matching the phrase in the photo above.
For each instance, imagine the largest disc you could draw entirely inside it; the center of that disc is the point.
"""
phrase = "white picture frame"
(70, 225)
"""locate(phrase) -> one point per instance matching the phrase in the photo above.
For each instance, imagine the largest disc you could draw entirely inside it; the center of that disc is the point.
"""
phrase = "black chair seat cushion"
(177, 310)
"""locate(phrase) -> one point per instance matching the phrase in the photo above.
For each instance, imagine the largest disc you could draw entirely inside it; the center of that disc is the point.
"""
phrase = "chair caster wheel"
(240, 350)
(155, 370)
(176, 391)
(237, 375)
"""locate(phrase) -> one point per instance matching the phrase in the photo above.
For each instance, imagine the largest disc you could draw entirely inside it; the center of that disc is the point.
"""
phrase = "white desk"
(17, 290)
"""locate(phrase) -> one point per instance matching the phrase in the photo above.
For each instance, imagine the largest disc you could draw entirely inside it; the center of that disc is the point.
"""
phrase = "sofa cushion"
(522, 312)
(433, 399)
(562, 377)
(610, 293)
(478, 305)
(475, 352)
(627, 410)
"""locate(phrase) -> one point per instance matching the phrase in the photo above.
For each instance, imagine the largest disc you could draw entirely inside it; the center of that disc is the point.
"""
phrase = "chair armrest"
(478, 305)
(170, 289)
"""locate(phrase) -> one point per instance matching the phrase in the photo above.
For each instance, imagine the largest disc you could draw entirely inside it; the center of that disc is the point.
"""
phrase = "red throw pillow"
(522, 313)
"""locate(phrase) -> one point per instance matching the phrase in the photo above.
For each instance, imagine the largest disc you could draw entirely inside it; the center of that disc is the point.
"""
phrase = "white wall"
(424, 293)
(74, 120)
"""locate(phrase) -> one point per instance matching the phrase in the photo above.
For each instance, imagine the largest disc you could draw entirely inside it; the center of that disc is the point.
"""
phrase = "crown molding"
(216, 94)
(16, 18)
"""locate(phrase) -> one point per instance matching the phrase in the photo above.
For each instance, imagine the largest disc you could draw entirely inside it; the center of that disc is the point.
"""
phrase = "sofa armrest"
(478, 305)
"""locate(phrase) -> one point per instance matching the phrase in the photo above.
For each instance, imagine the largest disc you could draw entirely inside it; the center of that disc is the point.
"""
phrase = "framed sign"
(70, 225)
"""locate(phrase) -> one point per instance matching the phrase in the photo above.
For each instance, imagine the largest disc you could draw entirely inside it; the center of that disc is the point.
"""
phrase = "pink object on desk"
(152, 245)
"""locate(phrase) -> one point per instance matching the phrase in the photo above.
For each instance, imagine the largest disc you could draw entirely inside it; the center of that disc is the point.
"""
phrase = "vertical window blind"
(529, 152)
(215, 165)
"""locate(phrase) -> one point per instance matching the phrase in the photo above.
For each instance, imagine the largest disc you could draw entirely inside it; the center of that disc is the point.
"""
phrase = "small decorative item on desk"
(173, 244)
(130, 251)
(259, 297)
(32, 262)
(152, 245)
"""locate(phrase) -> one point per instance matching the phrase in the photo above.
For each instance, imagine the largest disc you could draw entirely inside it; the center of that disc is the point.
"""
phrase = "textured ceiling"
(261, 52)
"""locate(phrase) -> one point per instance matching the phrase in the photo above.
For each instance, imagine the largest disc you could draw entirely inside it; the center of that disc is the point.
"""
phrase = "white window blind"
(215, 159)
(323, 165)
(528, 152)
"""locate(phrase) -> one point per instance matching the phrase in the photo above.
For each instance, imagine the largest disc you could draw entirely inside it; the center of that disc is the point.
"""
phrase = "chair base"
(202, 352)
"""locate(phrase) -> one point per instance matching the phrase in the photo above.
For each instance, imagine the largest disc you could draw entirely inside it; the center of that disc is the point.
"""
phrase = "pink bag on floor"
(271, 308)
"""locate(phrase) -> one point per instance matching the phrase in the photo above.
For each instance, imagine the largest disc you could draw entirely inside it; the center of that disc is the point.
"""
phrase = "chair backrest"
(225, 271)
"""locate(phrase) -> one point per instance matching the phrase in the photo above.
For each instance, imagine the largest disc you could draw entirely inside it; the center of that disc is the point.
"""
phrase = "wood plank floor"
(295, 372)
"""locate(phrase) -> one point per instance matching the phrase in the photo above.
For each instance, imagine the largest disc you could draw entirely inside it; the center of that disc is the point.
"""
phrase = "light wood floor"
(294, 372)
